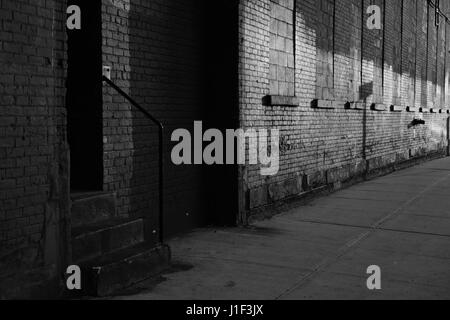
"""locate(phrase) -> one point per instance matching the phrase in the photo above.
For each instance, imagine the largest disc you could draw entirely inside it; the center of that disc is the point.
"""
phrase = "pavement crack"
(370, 228)
(327, 262)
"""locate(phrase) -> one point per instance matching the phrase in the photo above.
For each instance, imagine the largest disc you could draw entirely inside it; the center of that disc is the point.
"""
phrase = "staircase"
(111, 250)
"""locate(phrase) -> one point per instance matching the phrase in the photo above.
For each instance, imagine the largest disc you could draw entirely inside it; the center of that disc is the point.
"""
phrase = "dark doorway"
(221, 106)
(84, 99)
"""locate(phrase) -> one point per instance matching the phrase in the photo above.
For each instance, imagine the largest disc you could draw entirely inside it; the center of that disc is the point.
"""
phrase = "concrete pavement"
(322, 250)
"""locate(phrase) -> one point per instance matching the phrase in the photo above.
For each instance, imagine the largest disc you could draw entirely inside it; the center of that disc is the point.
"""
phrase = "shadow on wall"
(183, 67)
(340, 74)
(163, 77)
(179, 67)
(365, 91)
(347, 47)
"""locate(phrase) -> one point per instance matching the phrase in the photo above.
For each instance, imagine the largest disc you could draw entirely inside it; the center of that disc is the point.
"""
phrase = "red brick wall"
(33, 151)
(327, 146)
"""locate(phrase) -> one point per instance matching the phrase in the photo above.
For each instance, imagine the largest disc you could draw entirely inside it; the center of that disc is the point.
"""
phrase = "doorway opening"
(221, 107)
(84, 99)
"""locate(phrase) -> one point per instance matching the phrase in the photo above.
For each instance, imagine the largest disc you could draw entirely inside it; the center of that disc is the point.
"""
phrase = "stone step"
(106, 275)
(89, 242)
(92, 207)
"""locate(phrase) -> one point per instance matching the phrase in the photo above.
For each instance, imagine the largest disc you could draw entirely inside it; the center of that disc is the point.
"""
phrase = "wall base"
(268, 201)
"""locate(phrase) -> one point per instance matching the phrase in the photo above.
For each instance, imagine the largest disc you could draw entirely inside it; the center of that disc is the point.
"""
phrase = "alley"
(322, 250)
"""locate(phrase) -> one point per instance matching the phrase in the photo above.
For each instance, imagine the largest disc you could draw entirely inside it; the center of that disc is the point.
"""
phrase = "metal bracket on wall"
(378, 107)
(395, 108)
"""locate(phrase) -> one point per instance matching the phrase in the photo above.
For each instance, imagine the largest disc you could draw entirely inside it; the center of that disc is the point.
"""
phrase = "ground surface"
(322, 250)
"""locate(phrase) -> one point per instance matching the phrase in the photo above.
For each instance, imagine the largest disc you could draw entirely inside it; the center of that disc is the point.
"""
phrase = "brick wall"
(447, 61)
(33, 151)
(347, 75)
(160, 54)
(409, 53)
(282, 69)
(391, 46)
(431, 59)
(421, 61)
(440, 60)
(156, 52)
(325, 45)
(351, 76)
(170, 57)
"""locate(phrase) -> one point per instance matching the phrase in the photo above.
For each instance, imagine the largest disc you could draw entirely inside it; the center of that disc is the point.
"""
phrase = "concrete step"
(92, 207)
(106, 275)
(89, 242)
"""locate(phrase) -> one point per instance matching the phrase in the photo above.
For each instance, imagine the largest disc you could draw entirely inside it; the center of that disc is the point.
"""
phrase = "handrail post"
(161, 153)
(161, 183)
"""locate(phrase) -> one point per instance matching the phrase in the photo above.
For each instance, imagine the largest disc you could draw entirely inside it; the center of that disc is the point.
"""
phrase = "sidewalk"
(400, 222)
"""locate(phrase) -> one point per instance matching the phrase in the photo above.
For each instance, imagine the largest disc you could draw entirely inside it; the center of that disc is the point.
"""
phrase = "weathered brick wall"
(347, 75)
(372, 57)
(157, 51)
(344, 68)
(440, 60)
(254, 66)
(282, 69)
(325, 45)
(431, 59)
(391, 46)
(409, 53)
(154, 50)
(447, 61)
(421, 62)
(33, 151)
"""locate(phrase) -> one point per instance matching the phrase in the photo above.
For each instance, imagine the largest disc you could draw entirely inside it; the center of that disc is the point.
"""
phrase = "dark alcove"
(84, 99)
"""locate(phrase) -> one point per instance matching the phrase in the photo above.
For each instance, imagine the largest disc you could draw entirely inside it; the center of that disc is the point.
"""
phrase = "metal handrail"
(161, 153)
